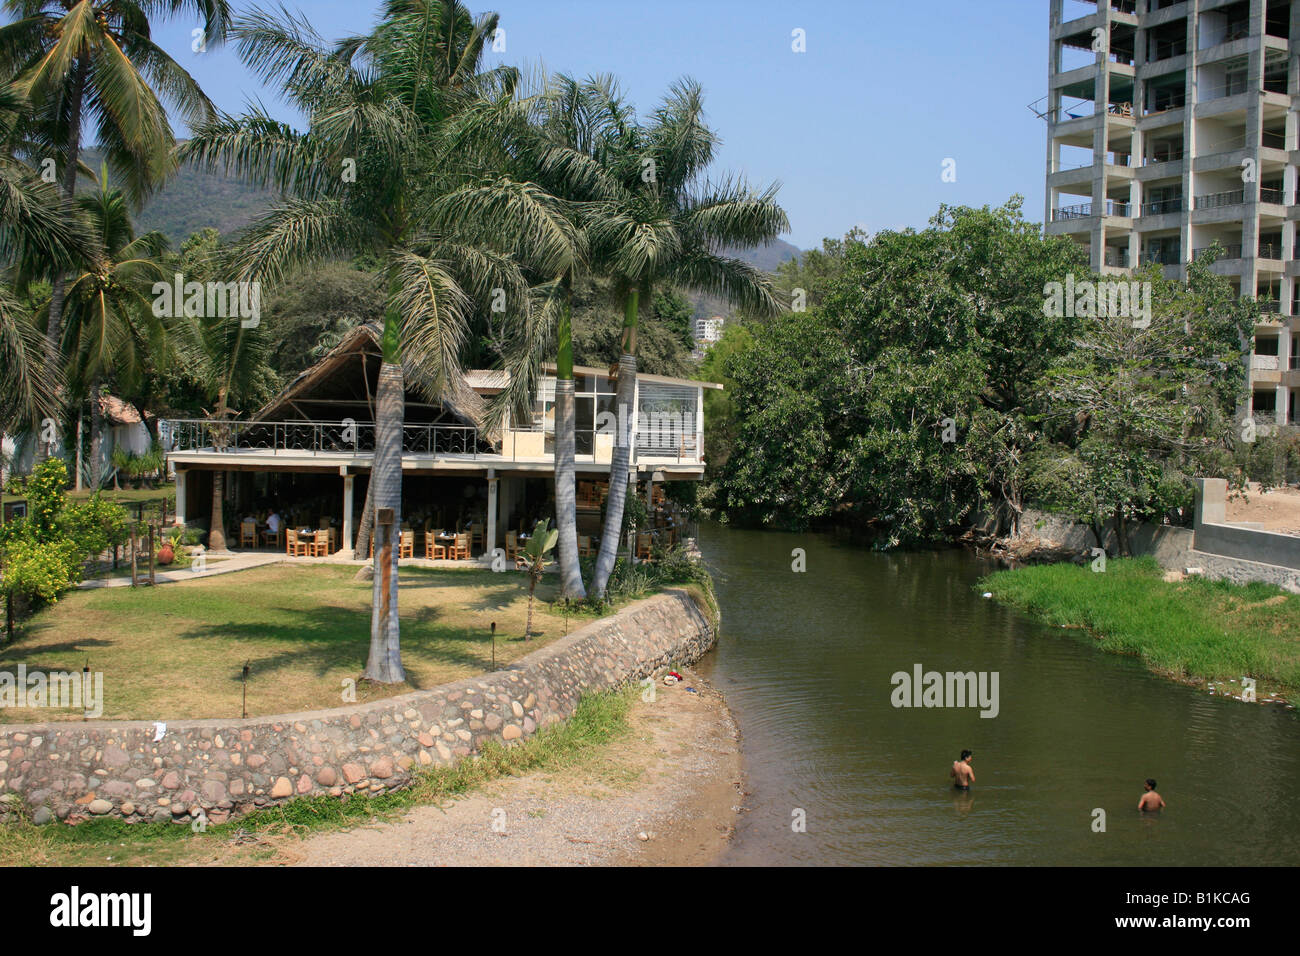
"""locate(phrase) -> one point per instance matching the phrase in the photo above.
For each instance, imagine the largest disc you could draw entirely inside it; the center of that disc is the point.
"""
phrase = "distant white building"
(709, 331)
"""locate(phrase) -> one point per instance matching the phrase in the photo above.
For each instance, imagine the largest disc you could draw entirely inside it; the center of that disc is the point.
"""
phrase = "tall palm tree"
(226, 357)
(95, 61)
(41, 233)
(111, 329)
(367, 176)
(667, 225)
(550, 138)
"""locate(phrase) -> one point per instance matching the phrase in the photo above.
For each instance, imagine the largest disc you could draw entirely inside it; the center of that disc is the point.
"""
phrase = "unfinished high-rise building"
(1172, 127)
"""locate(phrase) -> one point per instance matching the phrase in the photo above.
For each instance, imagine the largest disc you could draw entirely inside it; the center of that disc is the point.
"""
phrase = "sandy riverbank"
(676, 777)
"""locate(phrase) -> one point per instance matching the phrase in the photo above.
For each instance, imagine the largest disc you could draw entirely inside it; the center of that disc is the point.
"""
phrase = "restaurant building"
(308, 453)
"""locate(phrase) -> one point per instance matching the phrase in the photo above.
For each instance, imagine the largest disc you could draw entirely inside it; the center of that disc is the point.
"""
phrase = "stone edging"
(224, 768)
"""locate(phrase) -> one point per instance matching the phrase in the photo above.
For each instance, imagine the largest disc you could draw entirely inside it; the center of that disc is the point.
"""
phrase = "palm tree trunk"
(621, 460)
(566, 504)
(366, 526)
(81, 420)
(217, 527)
(385, 662)
(96, 446)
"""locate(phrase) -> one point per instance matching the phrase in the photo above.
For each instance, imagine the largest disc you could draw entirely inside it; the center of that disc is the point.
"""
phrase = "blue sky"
(856, 128)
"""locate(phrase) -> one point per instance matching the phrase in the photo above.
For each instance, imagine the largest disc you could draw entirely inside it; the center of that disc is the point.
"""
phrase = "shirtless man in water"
(962, 772)
(1151, 801)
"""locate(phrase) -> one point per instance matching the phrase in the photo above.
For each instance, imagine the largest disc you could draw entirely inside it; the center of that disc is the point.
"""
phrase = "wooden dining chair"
(320, 544)
(643, 547)
(584, 546)
(460, 549)
(476, 537)
(294, 546)
(271, 538)
(407, 545)
(248, 533)
(433, 548)
(512, 545)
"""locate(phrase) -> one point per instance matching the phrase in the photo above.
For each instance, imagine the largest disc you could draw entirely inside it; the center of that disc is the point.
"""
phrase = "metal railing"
(1112, 207)
(1268, 194)
(1162, 206)
(314, 438)
(1232, 197)
(1162, 257)
(1270, 250)
(1230, 251)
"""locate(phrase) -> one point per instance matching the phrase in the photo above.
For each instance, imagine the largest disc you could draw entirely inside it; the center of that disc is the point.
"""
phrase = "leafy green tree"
(1139, 408)
(905, 399)
(43, 554)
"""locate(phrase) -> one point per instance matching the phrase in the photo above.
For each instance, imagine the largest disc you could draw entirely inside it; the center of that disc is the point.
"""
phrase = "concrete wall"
(1220, 550)
(224, 768)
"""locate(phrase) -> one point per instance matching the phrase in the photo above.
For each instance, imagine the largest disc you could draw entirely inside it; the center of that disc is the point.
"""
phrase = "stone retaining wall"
(223, 768)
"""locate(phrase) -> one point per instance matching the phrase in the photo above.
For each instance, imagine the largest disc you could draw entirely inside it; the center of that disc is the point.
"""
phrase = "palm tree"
(666, 225)
(111, 329)
(95, 60)
(41, 233)
(227, 358)
(367, 176)
(549, 138)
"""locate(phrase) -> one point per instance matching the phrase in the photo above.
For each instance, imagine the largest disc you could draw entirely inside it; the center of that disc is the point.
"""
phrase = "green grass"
(176, 651)
(599, 719)
(1195, 629)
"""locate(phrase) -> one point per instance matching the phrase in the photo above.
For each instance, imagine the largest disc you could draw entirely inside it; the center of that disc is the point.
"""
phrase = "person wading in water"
(962, 772)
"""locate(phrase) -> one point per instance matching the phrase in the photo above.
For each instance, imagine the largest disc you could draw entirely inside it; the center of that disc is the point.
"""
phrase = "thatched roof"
(342, 384)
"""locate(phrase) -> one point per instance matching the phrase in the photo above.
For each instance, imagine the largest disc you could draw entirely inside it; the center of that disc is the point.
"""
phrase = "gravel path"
(663, 794)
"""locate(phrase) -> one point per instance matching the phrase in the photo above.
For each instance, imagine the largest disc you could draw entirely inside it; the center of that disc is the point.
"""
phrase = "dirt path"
(1276, 510)
(675, 778)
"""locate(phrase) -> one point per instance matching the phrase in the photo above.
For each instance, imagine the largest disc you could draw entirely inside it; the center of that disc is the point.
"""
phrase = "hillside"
(194, 200)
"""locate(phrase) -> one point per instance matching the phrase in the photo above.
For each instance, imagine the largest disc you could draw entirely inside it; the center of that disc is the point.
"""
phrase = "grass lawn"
(258, 837)
(1195, 629)
(176, 651)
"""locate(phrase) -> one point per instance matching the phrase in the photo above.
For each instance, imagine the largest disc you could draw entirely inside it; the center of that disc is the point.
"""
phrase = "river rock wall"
(218, 769)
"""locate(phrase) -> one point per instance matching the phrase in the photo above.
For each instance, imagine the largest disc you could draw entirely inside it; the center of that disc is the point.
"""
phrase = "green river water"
(806, 659)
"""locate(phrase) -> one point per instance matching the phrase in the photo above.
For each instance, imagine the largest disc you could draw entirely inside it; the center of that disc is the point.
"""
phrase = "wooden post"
(151, 578)
(134, 553)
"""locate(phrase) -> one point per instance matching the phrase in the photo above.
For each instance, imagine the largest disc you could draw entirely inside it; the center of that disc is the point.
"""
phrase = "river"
(806, 660)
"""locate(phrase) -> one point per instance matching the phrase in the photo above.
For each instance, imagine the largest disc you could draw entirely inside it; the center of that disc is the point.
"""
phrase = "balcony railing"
(1162, 257)
(1162, 206)
(1265, 363)
(1269, 194)
(1117, 258)
(1232, 197)
(1112, 207)
(1270, 250)
(1230, 251)
(315, 438)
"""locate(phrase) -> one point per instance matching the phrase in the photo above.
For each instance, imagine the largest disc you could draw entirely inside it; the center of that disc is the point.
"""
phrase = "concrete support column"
(1211, 501)
(180, 495)
(1283, 393)
(490, 541)
(346, 544)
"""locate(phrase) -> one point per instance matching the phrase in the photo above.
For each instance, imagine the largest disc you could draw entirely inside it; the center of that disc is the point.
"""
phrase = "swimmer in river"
(1151, 801)
(961, 771)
